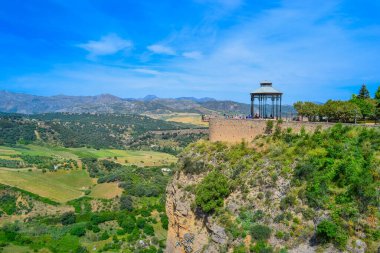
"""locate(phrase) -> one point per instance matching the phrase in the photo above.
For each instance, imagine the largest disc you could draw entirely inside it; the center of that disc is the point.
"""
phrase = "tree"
(367, 106)
(377, 100)
(311, 110)
(126, 203)
(211, 191)
(299, 108)
(363, 93)
(343, 111)
(377, 95)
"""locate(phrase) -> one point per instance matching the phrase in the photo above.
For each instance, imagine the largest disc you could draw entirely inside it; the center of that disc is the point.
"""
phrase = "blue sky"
(310, 49)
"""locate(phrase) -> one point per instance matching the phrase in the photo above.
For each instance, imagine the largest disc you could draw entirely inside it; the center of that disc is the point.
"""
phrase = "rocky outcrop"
(266, 209)
(189, 231)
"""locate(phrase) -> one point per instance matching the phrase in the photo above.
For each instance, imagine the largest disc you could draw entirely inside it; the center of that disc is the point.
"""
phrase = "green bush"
(211, 191)
(328, 231)
(78, 230)
(8, 204)
(261, 247)
(104, 236)
(140, 222)
(126, 203)
(148, 230)
(68, 218)
(269, 127)
(260, 232)
(239, 249)
(164, 221)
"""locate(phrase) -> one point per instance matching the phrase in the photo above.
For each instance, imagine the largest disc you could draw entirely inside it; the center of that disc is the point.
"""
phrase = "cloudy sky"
(310, 49)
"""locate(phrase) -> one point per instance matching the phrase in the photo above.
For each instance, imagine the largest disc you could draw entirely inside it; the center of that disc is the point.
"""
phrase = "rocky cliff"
(278, 199)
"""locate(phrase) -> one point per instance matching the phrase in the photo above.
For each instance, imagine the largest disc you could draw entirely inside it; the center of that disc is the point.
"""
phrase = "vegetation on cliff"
(288, 189)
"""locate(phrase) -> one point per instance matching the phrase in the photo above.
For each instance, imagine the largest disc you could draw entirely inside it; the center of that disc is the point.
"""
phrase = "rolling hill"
(106, 103)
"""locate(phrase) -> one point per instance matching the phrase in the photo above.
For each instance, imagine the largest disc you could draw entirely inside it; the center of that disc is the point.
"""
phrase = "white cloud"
(161, 49)
(193, 55)
(107, 45)
(147, 71)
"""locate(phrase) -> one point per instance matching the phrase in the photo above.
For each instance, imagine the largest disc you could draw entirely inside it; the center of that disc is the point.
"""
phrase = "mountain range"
(105, 103)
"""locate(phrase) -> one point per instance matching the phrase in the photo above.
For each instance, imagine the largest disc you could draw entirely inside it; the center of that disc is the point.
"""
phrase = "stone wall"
(235, 130)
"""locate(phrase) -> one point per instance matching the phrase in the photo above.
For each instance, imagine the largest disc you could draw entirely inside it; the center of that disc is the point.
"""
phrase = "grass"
(106, 191)
(60, 186)
(15, 249)
(144, 158)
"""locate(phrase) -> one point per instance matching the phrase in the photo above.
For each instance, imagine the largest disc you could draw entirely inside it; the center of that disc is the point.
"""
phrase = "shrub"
(193, 167)
(140, 222)
(78, 231)
(287, 202)
(269, 127)
(261, 247)
(164, 221)
(211, 191)
(8, 204)
(104, 236)
(239, 249)
(68, 218)
(328, 231)
(126, 203)
(148, 230)
(260, 232)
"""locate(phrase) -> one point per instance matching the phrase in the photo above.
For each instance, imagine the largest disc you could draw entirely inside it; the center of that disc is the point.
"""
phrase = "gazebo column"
(280, 106)
(265, 106)
(259, 106)
(276, 107)
(252, 105)
(273, 107)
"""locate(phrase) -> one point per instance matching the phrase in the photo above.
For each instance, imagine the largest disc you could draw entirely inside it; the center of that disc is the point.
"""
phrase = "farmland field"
(187, 118)
(106, 191)
(60, 186)
(65, 185)
(136, 157)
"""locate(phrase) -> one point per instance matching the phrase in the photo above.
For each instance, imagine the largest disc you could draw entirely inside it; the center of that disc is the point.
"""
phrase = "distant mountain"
(149, 98)
(106, 103)
(199, 100)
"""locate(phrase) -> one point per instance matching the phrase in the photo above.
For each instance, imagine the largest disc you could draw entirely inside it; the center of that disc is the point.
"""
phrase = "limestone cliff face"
(188, 231)
(266, 209)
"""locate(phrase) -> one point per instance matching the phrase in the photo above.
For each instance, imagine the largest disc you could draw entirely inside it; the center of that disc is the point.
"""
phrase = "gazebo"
(263, 94)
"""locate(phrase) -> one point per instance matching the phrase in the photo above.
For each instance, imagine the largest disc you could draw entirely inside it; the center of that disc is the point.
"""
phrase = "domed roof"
(266, 88)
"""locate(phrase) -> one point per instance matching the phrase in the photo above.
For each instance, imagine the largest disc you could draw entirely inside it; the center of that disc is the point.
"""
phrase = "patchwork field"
(136, 157)
(64, 185)
(60, 186)
(188, 118)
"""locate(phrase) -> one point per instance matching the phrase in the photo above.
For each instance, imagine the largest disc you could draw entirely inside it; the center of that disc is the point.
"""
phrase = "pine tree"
(377, 94)
(363, 93)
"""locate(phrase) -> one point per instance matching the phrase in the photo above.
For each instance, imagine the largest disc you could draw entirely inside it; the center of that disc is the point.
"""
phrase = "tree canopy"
(359, 106)
(363, 92)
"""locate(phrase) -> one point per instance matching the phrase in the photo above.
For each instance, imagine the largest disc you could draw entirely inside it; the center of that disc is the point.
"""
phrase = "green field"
(60, 186)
